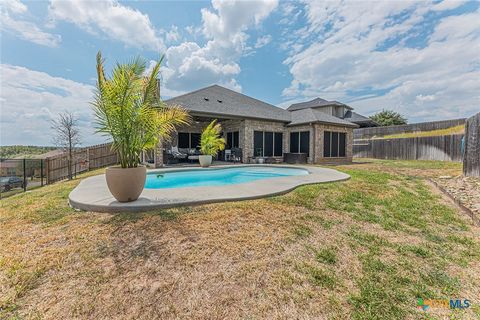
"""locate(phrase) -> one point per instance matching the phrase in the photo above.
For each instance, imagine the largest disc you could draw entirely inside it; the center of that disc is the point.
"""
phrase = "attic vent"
(206, 99)
(219, 101)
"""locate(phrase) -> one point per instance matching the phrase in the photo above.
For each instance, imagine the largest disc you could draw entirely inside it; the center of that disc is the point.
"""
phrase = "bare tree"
(67, 135)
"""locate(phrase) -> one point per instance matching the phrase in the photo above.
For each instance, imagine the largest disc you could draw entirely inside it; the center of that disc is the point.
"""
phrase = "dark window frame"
(334, 144)
(233, 139)
(275, 134)
(299, 144)
(190, 139)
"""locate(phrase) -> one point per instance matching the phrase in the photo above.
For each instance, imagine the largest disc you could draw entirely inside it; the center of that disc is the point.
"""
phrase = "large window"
(232, 140)
(334, 144)
(300, 142)
(267, 144)
(188, 140)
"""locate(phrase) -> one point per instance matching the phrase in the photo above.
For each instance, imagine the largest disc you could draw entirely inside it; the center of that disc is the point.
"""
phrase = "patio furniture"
(236, 155)
(193, 158)
(177, 154)
(228, 155)
(295, 158)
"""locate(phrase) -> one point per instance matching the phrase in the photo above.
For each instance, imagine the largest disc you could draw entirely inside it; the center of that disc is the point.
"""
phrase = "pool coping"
(92, 193)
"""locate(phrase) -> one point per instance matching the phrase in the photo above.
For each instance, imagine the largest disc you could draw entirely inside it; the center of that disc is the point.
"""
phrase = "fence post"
(41, 172)
(24, 175)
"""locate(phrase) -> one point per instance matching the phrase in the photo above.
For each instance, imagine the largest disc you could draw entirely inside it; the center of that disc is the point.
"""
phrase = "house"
(318, 131)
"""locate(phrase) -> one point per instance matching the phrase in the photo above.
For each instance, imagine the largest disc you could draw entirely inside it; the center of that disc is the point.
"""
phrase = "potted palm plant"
(210, 143)
(129, 110)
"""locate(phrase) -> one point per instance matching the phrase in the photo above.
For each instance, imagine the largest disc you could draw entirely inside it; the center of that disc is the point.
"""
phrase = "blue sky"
(421, 59)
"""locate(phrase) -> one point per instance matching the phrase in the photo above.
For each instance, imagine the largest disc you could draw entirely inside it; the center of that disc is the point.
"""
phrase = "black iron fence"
(20, 175)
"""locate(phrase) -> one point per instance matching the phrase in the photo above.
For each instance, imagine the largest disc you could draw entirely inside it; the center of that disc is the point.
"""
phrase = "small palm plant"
(211, 142)
(128, 108)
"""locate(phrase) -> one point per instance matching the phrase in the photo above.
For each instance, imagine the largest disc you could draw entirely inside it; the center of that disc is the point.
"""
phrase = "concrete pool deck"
(92, 193)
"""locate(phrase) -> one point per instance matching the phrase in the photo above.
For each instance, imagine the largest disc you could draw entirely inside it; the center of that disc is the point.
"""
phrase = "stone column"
(158, 155)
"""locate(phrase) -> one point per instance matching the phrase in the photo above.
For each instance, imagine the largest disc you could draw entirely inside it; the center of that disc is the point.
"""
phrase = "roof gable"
(316, 103)
(310, 115)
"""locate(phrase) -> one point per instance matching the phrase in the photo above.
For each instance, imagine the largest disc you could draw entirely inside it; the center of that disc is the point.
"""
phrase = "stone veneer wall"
(257, 125)
(306, 127)
(319, 129)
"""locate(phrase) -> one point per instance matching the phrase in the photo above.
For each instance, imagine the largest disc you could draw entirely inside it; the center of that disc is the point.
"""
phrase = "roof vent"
(219, 101)
(206, 99)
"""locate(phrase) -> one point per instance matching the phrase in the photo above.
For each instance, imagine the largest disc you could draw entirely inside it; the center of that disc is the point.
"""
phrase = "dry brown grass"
(241, 260)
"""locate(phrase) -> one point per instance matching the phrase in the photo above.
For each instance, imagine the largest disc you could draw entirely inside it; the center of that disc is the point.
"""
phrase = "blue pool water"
(217, 177)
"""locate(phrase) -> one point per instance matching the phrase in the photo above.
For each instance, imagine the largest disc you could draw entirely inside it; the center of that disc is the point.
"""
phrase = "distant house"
(320, 130)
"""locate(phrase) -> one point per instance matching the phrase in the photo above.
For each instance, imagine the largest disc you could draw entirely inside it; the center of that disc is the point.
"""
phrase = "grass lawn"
(366, 248)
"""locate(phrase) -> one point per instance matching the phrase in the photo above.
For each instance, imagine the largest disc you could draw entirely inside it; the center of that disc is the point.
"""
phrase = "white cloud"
(111, 19)
(346, 55)
(11, 12)
(190, 66)
(173, 35)
(15, 6)
(263, 41)
(31, 98)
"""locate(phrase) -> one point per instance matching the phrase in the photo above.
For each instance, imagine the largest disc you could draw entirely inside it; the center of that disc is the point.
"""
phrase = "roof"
(316, 103)
(217, 100)
(309, 115)
(357, 118)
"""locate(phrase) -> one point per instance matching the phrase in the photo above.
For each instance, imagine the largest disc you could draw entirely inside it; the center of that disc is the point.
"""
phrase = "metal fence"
(20, 175)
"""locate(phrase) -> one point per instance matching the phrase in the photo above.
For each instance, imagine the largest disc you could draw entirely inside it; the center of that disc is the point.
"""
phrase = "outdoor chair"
(236, 155)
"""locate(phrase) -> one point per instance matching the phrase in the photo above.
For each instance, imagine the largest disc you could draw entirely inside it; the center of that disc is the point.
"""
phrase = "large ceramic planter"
(205, 161)
(126, 184)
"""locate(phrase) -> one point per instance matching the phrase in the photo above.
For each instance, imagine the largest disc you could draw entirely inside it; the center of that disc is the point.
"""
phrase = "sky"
(421, 59)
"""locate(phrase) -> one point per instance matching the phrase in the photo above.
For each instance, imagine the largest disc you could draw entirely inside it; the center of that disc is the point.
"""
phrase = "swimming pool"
(217, 177)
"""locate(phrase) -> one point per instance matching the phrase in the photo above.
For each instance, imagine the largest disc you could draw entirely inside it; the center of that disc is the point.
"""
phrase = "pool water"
(217, 177)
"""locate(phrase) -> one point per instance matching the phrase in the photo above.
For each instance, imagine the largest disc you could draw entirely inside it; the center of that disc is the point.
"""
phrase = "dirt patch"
(466, 190)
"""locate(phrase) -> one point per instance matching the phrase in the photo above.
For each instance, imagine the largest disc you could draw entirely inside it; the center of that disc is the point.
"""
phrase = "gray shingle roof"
(315, 103)
(355, 117)
(309, 115)
(217, 100)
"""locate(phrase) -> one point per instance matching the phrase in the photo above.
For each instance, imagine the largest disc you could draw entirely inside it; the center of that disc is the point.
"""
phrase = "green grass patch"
(319, 277)
(326, 255)
(302, 231)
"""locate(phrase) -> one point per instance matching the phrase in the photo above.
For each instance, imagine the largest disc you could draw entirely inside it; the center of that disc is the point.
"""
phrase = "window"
(300, 142)
(267, 144)
(188, 140)
(183, 140)
(232, 140)
(334, 144)
(195, 140)
(278, 144)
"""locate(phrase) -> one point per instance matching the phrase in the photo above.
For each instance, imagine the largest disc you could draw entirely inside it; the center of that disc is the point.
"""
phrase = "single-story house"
(317, 130)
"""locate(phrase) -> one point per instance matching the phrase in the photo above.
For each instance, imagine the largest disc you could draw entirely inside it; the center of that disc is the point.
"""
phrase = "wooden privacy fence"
(85, 159)
(366, 133)
(444, 148)
(471, 160)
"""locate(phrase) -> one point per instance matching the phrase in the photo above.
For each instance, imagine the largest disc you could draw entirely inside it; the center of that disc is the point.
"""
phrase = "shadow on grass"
(164, 214)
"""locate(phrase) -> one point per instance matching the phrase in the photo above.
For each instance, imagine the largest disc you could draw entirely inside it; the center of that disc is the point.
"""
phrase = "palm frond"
(127, 109)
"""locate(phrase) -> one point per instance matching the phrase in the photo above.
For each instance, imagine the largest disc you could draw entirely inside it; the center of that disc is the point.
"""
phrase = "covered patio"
(183, 148)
